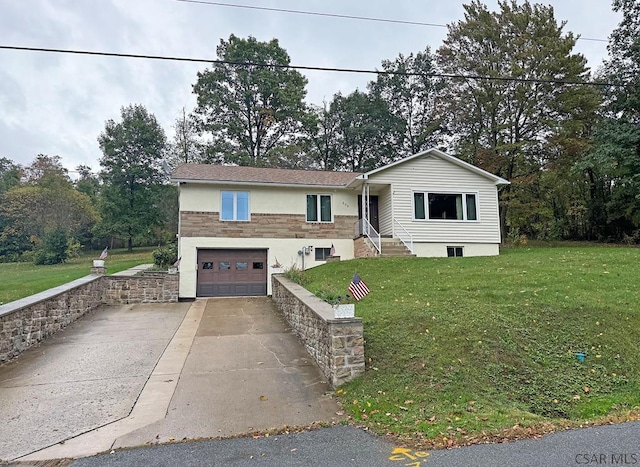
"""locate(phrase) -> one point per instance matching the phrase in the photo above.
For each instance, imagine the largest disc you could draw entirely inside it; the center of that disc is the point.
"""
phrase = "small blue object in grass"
(580, 356)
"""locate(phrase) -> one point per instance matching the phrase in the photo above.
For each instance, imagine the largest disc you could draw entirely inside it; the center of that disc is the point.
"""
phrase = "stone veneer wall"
(151, 287)
(337, 344)
(26, 322)
(208, 224)
(362, 248)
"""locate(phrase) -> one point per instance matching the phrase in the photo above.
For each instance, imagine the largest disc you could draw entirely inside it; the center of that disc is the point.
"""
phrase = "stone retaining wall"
(147, 288)
(26, 322)
(337, 344)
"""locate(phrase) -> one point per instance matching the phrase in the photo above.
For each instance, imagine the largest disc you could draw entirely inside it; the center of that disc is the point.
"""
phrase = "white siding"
(385, 205)
(432, 174)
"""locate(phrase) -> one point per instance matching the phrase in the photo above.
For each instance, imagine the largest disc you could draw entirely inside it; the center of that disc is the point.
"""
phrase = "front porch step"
(394, 247)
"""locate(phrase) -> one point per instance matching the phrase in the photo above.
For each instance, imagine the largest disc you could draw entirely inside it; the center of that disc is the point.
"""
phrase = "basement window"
(454, 251)
(322, 253)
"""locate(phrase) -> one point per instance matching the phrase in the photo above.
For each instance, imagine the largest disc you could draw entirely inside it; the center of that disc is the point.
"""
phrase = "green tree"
(33, 209)
(321, 127)
(506, 126)
(613, 168)
(10, 174)
(411, 93)
(45, 201)
(11, 243)
(53, 249)
(47, 172)
(249, 110)
(133, 150)
(367, 133)
(88, 182)
(186, 146)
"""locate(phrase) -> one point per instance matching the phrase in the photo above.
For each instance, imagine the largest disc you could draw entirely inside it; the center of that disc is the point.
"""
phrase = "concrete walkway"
(232, 367)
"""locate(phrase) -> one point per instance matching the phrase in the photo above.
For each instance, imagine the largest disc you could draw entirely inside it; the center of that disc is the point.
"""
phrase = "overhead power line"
(305, 68)
(335, 15)
(314, 13)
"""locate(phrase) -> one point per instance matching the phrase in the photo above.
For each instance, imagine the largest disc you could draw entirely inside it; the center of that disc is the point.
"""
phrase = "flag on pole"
(104, 253)
(358, 288)
(332, 251)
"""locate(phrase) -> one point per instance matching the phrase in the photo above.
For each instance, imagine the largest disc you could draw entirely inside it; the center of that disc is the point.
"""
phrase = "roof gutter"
(265, 184)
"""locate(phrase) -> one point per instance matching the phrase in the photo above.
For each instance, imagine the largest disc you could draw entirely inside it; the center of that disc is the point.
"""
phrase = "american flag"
(104, 253)
(358, 288)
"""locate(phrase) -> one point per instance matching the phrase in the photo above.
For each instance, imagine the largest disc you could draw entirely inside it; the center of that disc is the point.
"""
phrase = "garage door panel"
(227, 273)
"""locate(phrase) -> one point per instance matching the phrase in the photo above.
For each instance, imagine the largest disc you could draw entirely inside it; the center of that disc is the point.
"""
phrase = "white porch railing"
(404, 236)
(363, 227)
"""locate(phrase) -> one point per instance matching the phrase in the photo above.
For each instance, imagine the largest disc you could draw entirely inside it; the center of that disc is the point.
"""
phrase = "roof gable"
(444, 156)
(227, 174)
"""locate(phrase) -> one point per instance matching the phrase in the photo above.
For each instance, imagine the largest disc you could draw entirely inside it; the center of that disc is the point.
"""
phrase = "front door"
(373, 211)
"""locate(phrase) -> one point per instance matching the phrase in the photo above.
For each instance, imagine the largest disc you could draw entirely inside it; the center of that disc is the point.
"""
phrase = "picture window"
(445, 206)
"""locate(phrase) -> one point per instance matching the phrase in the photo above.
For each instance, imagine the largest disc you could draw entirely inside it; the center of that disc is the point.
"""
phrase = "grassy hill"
(462, 350)
(18, 280)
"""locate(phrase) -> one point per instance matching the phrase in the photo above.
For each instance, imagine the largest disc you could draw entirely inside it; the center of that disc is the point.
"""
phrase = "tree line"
(499, 93)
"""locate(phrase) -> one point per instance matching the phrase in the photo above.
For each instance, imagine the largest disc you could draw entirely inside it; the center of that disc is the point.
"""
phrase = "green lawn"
(18, 280)
(462, 350)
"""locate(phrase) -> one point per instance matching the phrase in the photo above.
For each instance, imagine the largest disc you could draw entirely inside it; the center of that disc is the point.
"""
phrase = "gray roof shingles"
(249, 175)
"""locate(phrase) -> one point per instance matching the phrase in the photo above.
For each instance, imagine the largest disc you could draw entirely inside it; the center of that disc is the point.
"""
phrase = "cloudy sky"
(57, 104)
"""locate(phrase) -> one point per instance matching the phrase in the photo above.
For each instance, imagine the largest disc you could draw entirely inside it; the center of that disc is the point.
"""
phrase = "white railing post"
(363, 227)
(407, 238)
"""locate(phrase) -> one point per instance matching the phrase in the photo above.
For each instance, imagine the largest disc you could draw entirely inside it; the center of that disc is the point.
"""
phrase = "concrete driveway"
(140, 374)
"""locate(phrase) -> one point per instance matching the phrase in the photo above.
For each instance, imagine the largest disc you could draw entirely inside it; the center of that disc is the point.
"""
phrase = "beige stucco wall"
(284, 250)
(266, 200)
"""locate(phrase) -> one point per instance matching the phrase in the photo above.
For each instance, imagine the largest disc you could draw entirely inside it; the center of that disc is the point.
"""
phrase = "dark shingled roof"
(248, 175)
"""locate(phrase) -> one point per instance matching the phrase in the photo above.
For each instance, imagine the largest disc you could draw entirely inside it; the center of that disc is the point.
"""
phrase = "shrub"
(54, 247)
(297, 275)
(165, 256)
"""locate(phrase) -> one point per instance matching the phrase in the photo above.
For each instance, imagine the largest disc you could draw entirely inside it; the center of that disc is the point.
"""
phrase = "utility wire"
(307, 68)
(334, 15)
(314, 13)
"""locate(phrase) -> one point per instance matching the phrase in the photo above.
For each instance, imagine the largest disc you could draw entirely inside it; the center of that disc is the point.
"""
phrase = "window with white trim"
(234, 205)
(319, 208)
(446, 206)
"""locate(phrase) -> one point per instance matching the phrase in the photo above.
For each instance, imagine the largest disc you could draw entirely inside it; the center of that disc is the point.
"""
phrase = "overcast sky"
(57, 104)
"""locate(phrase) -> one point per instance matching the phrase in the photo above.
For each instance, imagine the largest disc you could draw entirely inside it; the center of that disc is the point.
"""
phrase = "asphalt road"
(349, 446)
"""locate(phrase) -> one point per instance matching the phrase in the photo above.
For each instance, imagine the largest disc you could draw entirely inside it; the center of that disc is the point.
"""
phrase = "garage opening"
(231, 273)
